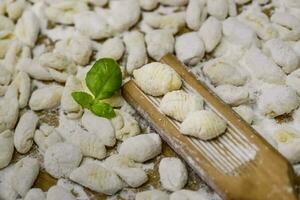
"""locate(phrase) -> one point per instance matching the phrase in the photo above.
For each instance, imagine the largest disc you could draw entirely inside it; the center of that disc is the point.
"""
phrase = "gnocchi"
(35, 194)
(196, 13)
(152, 194)
(293, 80)
(111, 48)
(46, 136)
(58, 192)
(245, 112)
(232, 95)
(6, 148)
(186, 195)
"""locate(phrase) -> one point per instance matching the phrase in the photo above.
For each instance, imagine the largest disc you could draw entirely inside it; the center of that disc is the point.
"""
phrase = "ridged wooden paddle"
(239, 165)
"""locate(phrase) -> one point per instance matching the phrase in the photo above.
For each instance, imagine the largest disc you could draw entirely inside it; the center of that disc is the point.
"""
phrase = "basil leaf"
(82, 98)
(103, 110)
(104, 78)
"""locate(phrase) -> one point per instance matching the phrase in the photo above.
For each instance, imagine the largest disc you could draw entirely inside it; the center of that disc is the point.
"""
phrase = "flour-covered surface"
(248, 51)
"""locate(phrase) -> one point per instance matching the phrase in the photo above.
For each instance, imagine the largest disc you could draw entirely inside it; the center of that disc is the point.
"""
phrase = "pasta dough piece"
(220, 72)
(97, 178)
(112, 48)
(58, 192)
(178, 104)
(33, 68)
(152, 194)
(157, 79)
(125, 125)
(218, 8)
(262, 68)
(203, 124)
(46, 98)
(25, 173)
(148, 4)
(189, 48)
(173, 173)
(245, 112)
(233, 95)
(196, 13)
(186, 195)
(136, 50)
(278, 100)
(141, 148)
(100, 127)
(46, 136)
(23, 83)
(6, 148)
(61, 159)
(7, 192)
(293, 80)
(282, 54)
(35, 194)
(23, 138)
(159, 43)
(5, 76)
(27, 28)
(211, 33)
(15, 9)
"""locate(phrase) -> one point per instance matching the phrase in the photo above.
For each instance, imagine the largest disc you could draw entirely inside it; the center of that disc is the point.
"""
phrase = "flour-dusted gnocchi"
(186, 195)
(178, 104)
(23, 83)
(136, 50)
(293, 80)
(221, 71)
(211, 33)
(61, 159)
(173, 173)
(100, 127)
(245, 112)
(262, 68)
(189, 48)
(6, 148)
(203, 124)
(148, 4)
(233, 95)
(79, 48)
(141, 148)
(92, 25)
(6, 39)
(5, 76)
(58, 192)
(157, 79)
(111, 48)
(97, 178)
(288, 141)
(152, 194)
(7, 192)
(46, 98)
(159, 43)
(63, 12)
(15, 8)
(218, 8)
(46, 136)
(125, 125)
(196, 13)
(69, 106)
(278, 100)
(172, 22)
(282, 54)
(24, 132)
(33, 68)
(26, 171)
(35, 194)
(27, 28)
(9, 109)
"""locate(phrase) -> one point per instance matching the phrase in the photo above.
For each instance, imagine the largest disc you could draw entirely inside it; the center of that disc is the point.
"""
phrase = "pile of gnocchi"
(247, 51)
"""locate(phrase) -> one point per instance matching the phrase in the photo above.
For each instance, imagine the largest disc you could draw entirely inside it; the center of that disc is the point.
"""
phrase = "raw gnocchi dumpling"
(157, 79)
(33, 68)
(6, 148)
(218, 8)
(173, 173)
(233, 95)
(100, 127)
(282, 54)
(24, 132)
(125, 125)
(211, 33)
(220, 72)
(7, 192)
(293, 80)
(111, 48)
(35, 194)
(152, 194)
(203, 124)
(186, 195)
(189, 48)
(262, 68)
(23, 83)
(148, 4)
(141, 148)
(159, 43)
(97, 178)
(61, 159)
(196, 13)
(288, 141)
(58, 192)
(46, 98)
(25, 172)
(278, 100)
(178, 104)
(245, 112)
(136, 50)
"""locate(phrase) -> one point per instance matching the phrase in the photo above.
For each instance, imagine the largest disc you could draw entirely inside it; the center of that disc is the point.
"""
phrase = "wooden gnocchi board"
(239, 165)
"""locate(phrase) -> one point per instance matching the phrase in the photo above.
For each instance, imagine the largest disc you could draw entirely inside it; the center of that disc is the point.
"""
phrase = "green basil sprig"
(103, 80)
